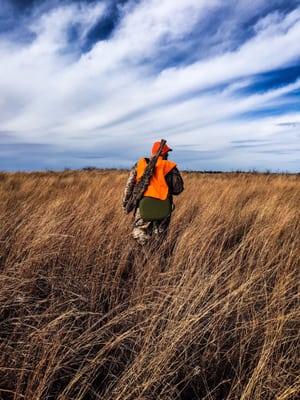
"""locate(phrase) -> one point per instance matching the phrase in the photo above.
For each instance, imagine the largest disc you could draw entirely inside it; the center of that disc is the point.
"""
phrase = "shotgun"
(141, 186)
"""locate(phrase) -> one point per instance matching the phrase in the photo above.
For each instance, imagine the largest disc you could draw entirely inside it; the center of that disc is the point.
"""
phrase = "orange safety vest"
(158, 187)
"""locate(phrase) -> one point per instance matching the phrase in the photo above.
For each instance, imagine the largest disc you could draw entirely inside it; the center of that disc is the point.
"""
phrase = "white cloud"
(114, 92)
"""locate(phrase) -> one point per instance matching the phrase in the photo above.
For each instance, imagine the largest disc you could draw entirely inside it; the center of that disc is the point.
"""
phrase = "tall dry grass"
(211, 313)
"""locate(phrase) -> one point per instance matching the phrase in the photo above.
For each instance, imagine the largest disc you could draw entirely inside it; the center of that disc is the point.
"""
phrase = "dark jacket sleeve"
(175, 182)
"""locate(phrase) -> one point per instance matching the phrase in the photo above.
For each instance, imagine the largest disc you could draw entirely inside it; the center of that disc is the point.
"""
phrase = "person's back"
(153, 215)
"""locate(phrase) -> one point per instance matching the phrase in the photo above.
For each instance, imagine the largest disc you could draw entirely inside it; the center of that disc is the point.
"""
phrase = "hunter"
(153, 208)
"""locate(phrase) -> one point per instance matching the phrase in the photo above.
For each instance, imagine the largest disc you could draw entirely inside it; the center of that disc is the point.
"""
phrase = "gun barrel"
(143, 183)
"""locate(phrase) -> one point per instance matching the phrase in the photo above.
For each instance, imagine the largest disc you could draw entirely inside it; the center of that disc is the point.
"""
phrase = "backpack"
(152, 209)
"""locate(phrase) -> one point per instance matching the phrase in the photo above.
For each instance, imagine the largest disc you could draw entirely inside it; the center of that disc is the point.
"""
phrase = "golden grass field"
(213, 313)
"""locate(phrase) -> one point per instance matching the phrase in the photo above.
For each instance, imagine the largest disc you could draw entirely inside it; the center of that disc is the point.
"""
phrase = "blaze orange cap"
(156, 146)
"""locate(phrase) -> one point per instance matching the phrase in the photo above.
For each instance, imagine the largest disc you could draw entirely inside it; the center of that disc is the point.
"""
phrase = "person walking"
(152, 215)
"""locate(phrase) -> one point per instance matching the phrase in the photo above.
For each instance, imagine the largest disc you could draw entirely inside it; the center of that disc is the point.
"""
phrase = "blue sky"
(94, 83)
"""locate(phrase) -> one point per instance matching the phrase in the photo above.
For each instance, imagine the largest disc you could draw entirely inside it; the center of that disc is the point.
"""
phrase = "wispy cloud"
(117, 75)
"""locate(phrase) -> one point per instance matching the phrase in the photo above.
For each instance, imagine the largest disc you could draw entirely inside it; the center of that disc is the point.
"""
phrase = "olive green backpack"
(152, 209)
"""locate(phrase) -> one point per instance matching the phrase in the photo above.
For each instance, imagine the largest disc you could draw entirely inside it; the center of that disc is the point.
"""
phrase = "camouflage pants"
(143, 230)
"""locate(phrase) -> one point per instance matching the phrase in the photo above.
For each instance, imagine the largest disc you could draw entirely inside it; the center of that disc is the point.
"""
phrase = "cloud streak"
(116, 75)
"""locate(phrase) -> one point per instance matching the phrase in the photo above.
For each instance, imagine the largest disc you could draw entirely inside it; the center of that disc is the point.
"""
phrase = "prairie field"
(210, 313)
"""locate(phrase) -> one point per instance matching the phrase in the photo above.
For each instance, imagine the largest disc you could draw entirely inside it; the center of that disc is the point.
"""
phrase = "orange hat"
(156, 146)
